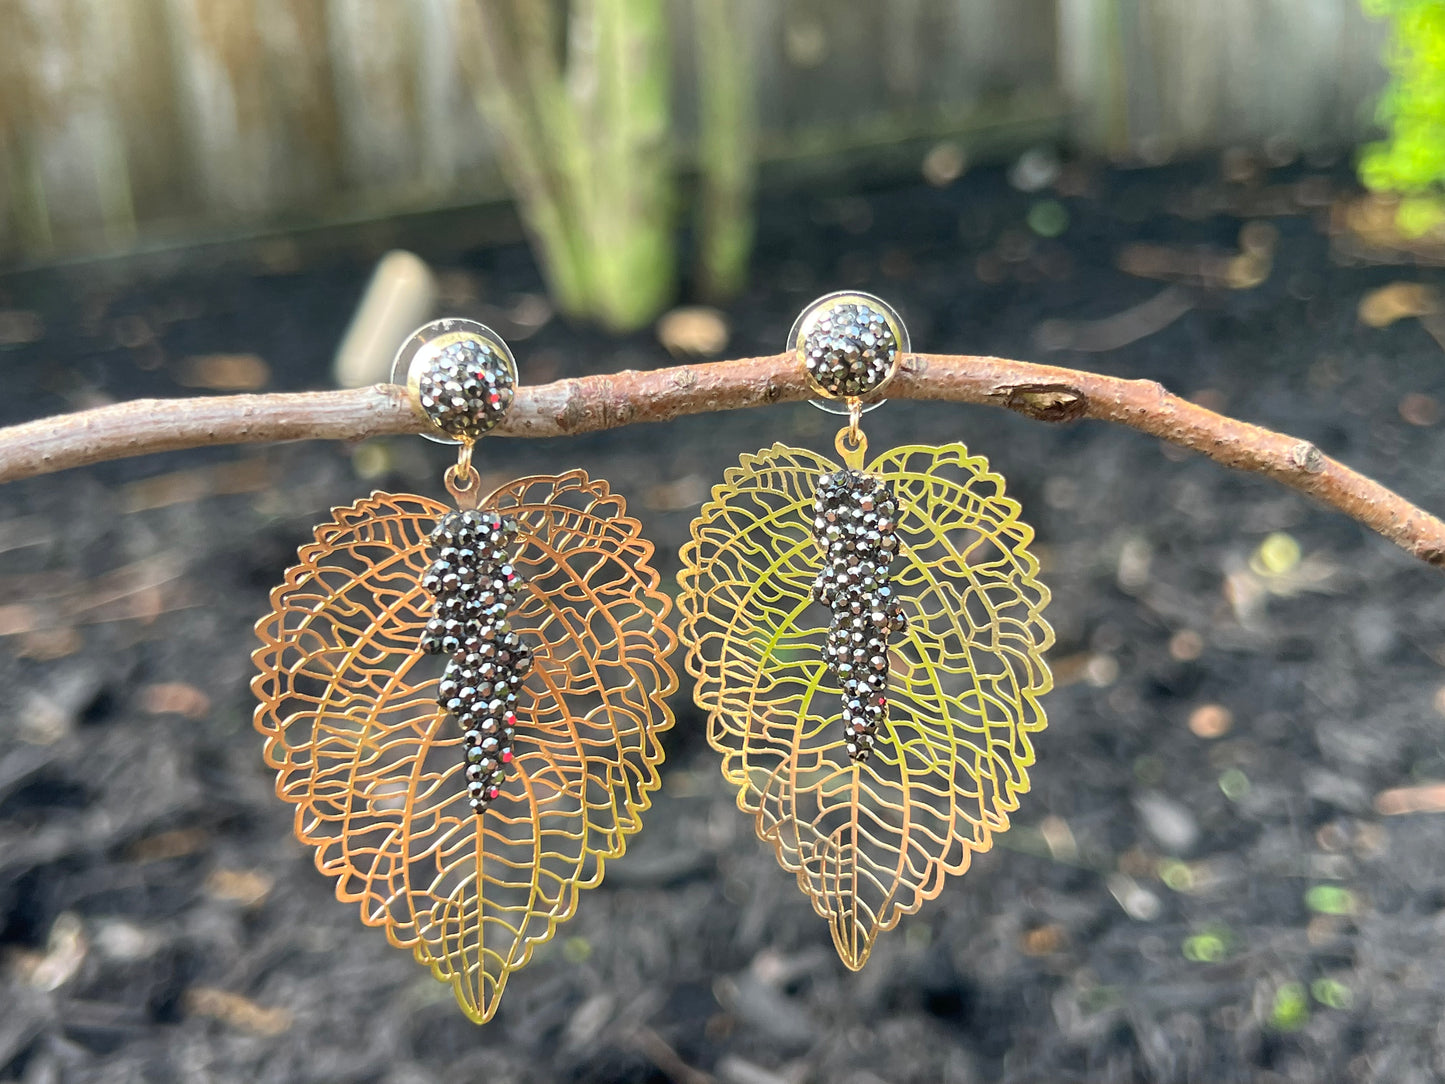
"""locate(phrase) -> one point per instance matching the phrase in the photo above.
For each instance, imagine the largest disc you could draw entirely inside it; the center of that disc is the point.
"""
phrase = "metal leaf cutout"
(870, 842)
(372, 762)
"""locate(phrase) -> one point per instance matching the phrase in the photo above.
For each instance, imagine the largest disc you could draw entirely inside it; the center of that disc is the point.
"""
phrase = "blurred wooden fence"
(153, 120)
(1156, 78)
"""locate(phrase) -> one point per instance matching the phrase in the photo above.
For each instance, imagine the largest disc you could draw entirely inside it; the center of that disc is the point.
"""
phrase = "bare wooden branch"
(587, 404)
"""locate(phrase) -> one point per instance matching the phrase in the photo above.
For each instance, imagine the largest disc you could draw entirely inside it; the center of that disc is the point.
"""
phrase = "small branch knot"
(1306, 457)
(1044, 402)
(574, 407)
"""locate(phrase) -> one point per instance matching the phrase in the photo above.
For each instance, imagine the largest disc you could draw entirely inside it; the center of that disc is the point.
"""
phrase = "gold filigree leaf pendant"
(868, 642)
(463, 703)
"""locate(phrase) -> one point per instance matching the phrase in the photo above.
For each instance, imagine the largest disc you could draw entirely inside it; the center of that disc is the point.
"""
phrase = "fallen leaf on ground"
(1207, 267)
(240, 1012)
(65, 951)
(1398, 300)
(693, 331)
(224, 372)
(1210, 721)
(1425, 798)
(175, 698)
(247, 887)
(1419, 409)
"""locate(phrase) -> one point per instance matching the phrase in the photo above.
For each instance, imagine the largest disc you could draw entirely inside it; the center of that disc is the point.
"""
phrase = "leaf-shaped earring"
(868, 644)
(465, 801)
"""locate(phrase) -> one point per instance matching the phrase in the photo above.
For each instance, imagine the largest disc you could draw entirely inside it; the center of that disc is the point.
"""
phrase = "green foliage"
(579, 95)
(1331, 900)
(1332, 993)
(725, 140)
(1234, 783)
(1048, 218)
(1291, 1008)
(1411, 162)
(1210, 945)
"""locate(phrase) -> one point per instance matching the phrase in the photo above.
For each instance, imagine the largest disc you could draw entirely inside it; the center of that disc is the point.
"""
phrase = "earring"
(868, 644)
(464, 801)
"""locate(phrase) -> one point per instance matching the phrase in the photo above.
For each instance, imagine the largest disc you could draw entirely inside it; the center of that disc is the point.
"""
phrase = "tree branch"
(1043, 392)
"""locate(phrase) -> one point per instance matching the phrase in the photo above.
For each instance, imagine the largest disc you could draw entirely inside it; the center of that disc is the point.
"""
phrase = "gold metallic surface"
(852, 444)
(374, 765)
(462, 480)
(869, 842)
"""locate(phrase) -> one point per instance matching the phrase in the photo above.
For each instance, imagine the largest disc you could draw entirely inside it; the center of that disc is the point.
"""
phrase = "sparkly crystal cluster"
(474, 584)
(850, 349)
(465, 388)
(856, 515)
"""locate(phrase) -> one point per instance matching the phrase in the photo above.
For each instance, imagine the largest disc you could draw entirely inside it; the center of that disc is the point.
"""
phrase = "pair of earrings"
(463, 703)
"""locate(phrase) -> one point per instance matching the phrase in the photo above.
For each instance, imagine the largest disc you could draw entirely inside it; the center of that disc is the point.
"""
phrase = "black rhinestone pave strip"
(474, 584)
(466, 388)
(850, 349)
(855, 518)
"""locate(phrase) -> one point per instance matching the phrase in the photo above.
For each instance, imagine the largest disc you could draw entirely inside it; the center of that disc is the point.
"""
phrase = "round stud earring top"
(850, 344)
(461, 377)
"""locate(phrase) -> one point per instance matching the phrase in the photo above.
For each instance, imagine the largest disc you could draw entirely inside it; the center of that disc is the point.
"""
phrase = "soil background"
(1170, 906)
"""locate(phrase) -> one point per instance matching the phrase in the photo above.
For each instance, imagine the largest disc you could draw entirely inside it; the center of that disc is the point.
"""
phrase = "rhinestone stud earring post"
(850, 345)
(464, 806)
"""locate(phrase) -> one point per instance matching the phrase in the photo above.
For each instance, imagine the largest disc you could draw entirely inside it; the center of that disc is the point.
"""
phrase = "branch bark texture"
(587, 404)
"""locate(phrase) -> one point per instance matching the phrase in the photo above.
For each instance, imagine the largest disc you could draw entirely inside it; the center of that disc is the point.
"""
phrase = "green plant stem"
(586, 145)
(1410, 163)
(513, 96)
(727, 151)
(633, 225)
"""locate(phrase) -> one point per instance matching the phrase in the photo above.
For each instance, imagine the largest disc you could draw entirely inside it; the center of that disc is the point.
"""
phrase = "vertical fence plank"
(459, 151)
(146, 97)
(65, 153)
(258, 106)
(1193, 77)
(216, 46)
(374, 49)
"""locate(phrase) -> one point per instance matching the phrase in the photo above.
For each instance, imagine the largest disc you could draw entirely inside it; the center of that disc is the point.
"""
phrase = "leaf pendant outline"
(371, 762)
(869, 842)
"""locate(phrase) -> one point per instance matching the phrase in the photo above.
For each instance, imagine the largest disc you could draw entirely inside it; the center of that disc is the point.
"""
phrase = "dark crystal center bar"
(855, 518)
(474, 585)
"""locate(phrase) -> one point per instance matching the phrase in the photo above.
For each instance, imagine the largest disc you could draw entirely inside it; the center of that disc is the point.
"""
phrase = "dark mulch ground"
(1161, 910)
